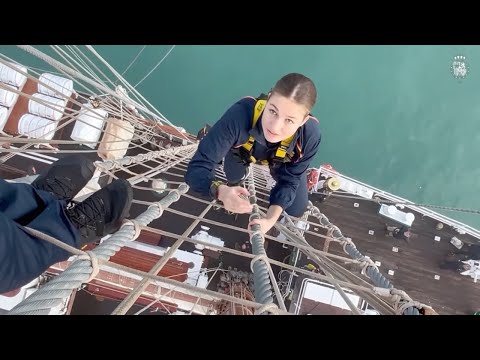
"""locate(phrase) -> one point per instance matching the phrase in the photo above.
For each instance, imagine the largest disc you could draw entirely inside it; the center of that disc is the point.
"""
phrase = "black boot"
(66, 177)
(103, 212)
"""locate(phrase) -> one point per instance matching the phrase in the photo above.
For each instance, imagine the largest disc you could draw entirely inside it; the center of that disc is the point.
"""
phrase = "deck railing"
(409, 204)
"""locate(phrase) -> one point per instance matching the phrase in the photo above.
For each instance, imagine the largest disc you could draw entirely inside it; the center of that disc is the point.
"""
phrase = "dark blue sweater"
(234, 129)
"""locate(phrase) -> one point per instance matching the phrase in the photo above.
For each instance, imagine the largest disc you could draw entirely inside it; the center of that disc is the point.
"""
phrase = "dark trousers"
(235, 171)
(22, 256)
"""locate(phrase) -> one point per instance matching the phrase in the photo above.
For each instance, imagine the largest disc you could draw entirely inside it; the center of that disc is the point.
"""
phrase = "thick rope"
(341, 274)
(271, 308)
(90, 255)
(57, 290)
(130, 299)
(299, 238)
(127, 160)
(263, 288)
(136, 225)
(367, 268)
(189, 288)
(367, 288)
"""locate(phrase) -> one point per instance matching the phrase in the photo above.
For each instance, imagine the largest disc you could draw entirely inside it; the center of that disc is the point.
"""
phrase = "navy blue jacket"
(233, 129)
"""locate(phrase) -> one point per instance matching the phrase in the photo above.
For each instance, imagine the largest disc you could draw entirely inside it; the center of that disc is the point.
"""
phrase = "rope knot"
(176, 192)
(331, 230)
(254, 216)
(136, 226)
(132, 160)
(271, 308)
(159, 208)
(257, 258)
(365, 263)
(259, 235)
(105, 165)
(92, 257)
(330, 233)
(310, 206)
(401, 300)
(344, 242)
(403, 305)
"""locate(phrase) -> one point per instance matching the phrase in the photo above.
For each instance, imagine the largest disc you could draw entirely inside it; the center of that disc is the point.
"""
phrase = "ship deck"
(417, 261)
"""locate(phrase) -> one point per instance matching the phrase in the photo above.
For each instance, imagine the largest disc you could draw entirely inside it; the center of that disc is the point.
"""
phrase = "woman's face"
(282, 117)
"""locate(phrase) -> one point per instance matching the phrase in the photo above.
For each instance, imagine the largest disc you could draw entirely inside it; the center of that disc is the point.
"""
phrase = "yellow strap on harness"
(281, 150)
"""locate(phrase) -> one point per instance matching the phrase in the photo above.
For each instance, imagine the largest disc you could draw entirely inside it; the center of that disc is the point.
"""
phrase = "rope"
(151, 71)
(143, 274)
(135, 294)
(120, 78)
(345, 242)
(371, 271)
(127, 160)
(59, 51)
(52, 240)
(92, 63)
(441, 207)
(70, 76)
(136, 226)
(330, 277)
(261, 276)
(274, 262)
(366, 262)
(54, 292)
(133, 61)
(403, 304)
(94, 261)
(138, 95)
(297, 236)
(83, 65)
(51, 61)
(256, 258)
(271, 308)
